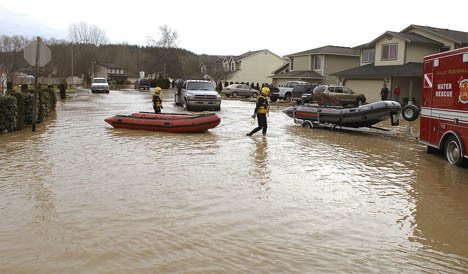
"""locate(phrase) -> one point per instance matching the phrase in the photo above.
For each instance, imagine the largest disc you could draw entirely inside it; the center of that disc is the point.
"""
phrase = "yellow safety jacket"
(262, 105)
(157, 102)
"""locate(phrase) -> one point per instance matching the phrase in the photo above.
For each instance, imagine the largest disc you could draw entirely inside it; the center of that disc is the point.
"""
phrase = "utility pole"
(73, 78)
(34, 110)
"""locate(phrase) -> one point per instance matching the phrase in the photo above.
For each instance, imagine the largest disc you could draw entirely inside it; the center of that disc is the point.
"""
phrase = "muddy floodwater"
(79, 196)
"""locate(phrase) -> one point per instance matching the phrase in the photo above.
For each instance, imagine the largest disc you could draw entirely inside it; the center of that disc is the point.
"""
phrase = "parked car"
(99, 85)
(236, 90)
(342, 95)
(142, 84)
(284, 92)
(197, 95)
(299, 90)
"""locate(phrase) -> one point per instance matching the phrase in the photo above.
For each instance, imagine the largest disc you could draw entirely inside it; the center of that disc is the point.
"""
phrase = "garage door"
(370, 88)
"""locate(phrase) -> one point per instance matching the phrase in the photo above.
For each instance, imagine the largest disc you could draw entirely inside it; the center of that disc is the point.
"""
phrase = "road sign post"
(37, 54)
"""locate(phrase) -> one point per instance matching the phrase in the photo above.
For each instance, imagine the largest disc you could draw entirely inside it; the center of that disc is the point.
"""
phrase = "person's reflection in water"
(261, 160)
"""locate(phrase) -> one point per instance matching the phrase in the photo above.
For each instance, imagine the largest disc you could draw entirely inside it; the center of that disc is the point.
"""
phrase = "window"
(233, 66)
(347, 90)
(444, 48)
(317, 62)
(389, 52)
(436, 62)
(465, 58)
(368, 56)
(338, 89)
(291, 64)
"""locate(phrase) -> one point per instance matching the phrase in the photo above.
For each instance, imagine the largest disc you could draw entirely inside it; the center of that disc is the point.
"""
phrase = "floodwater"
(79, 196)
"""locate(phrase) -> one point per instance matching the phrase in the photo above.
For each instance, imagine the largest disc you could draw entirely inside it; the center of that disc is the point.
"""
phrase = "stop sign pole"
(37, 54)
(34, 110)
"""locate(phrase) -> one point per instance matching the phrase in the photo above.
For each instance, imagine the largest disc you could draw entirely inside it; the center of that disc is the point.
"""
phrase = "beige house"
(252, 66)
(115, 74)
(395, 58)
(316, 65)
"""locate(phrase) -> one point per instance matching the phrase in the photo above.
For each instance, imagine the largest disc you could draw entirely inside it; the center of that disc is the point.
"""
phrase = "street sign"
(30, 53)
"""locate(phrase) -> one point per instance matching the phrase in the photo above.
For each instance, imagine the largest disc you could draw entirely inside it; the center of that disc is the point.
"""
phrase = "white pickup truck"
(284, 91)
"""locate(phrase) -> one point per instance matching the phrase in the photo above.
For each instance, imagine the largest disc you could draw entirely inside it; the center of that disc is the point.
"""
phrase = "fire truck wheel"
(453, 151)
(410, 112)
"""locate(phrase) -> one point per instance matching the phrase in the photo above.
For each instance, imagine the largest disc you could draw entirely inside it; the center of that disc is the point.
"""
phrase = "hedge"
(8, 113)
(16, 108)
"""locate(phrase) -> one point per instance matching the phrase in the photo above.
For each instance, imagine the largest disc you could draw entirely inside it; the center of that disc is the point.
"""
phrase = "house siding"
(416, 52)
(333, 63)
(400, 54)
(301, 62)
(257, 68)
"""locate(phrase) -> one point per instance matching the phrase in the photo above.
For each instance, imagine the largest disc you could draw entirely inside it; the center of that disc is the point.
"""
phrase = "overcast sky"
(233, 27)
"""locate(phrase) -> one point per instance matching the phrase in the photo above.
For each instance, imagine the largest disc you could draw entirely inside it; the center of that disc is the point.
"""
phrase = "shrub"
(8, 113)
(20, 108)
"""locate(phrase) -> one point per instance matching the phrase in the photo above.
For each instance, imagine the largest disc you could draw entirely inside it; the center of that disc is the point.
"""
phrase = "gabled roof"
(328, 50)
(407, 70)
(245, 55)
(408, 37)
(300, 74)
(459, 37)
(110, 65)
(280, 68)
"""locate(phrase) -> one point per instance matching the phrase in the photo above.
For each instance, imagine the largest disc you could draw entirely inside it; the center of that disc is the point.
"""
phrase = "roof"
(280, 68)
(408, 37)
(245, 55)
(302, 74)
(110, 65)
(459, 37)
(330, 50)
(407, 70)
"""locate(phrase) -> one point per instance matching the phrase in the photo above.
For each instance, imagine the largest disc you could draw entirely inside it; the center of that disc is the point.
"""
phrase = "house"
(251, 67)
(395, 58)
(115, 74)
(316, 65)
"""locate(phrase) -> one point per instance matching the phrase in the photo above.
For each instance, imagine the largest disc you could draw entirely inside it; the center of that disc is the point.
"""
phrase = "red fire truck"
(444, 104)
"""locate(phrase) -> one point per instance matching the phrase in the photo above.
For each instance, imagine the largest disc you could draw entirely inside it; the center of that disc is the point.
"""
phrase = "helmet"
(266, 91)
(157, 90)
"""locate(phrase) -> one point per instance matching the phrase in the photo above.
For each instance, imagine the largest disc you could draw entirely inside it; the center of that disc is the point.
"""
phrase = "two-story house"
(316, 65)
(112, 72)
(252, 66)
(395, 58)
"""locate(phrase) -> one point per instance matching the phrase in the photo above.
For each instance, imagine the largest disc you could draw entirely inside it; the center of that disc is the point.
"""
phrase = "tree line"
(88, 44)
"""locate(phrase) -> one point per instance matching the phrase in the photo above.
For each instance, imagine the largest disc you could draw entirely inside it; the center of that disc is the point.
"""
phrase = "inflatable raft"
(362, 116)
(167, 122)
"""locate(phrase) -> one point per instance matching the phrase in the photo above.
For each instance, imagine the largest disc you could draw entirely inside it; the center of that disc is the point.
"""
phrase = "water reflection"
(260, 160)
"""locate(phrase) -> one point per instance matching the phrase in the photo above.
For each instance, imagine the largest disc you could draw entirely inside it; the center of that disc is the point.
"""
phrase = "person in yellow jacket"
(157, 102)
(261, 110)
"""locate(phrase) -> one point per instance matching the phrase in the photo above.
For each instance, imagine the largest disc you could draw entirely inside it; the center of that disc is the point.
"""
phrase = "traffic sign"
(30, 53)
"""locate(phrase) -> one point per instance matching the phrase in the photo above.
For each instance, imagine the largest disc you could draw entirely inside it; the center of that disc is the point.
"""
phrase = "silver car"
(236, 90)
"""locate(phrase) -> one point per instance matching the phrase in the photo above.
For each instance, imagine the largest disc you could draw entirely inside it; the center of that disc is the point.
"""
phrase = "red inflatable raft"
(169, 122)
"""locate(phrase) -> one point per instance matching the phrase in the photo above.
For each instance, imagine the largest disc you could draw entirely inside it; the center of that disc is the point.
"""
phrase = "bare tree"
(11, 55)
(168, 38)
(82, 33)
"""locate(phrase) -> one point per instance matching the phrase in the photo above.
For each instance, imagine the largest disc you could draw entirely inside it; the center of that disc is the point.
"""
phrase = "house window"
(291, 64)
(317, 62)
(233, 66)
(368, 56)
(389, 52)
(444, 48)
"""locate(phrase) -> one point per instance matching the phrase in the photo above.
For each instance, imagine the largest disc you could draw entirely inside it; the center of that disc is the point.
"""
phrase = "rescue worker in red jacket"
(261, 110)
(157, 102)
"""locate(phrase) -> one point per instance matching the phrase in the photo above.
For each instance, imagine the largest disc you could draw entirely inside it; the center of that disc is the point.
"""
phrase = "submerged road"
(79, 196)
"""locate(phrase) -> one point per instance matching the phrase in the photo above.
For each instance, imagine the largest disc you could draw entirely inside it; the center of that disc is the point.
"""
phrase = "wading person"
(384, 92)
(157, 102)
(261, 110)
(396, 93)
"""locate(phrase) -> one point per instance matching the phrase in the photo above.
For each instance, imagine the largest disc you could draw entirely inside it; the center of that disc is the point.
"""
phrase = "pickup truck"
(197, 95)
(284, 92)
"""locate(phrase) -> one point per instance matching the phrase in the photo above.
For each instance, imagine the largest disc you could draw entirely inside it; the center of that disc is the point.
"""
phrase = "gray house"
(316, 65)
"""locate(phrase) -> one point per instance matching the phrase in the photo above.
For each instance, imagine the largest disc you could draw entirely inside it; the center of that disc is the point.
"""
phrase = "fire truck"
(444, 105)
